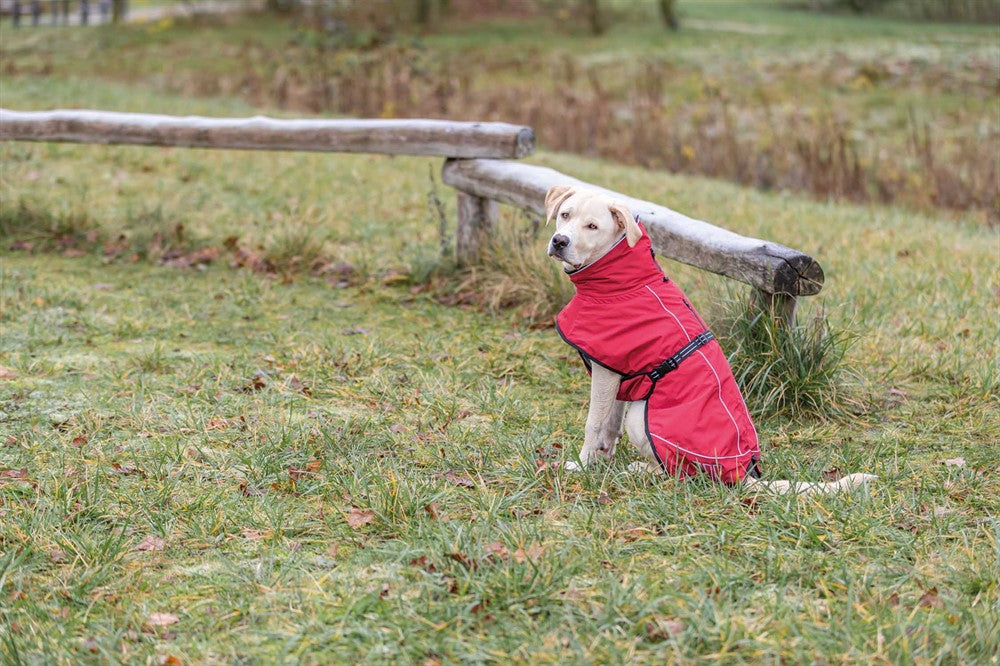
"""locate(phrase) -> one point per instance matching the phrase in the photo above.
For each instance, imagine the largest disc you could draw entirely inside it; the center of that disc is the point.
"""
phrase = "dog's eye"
(591, 226)
(564, 215)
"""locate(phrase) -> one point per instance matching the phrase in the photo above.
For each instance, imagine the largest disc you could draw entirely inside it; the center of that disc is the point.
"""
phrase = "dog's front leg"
(604, 418)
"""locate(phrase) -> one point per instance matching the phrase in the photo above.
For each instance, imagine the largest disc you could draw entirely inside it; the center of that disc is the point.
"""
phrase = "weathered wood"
(770, 267)
(782, 307)
(476, 220)
(397, 137)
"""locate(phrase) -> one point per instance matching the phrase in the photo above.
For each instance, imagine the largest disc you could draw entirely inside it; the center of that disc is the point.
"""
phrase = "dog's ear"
(554, 198)
(623, 217)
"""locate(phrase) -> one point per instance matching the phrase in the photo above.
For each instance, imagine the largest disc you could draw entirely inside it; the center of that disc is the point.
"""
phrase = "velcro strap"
(674, 361)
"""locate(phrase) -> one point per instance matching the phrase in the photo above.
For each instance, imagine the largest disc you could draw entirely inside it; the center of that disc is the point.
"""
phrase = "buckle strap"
(674, 361)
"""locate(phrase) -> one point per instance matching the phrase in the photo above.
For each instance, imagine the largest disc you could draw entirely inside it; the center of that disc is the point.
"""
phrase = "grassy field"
(338, 458)
(862, 109)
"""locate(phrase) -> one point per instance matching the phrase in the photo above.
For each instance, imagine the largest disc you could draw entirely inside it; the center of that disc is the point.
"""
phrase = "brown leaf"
(250, 491)
(954, 462)
(7, 373)
(296, 385)
(832, 474)
(423, 563)
(170, 660)
(464, 560)
(57, 556)
(333, 550)
(663, 628)
(433, 510)
(161, 620)
(14, 473)
(258, 382)
(151, 543)
(496, 549)
(296, 473)
(930, 599)
(255, 534)
(128, 469)
(462, 481)
(79, 440)
(10, 441)
(531, 553)
(524, 513)
(603, 499)
(218, 423)
(360, 517)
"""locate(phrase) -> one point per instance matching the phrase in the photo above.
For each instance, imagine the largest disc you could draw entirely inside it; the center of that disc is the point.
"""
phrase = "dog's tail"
(807, 488)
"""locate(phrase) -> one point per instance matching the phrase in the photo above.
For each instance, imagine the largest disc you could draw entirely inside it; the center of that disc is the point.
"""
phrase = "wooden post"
(781, 307)
(476, 220)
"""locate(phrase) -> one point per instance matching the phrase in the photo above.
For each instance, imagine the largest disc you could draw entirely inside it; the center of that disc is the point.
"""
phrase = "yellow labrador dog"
(605, 251)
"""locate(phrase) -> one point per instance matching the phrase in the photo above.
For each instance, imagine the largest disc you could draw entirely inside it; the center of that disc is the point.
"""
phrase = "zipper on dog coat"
(628, 317)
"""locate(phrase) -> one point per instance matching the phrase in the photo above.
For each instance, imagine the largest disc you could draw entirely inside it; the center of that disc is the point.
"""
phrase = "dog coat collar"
(628, 317)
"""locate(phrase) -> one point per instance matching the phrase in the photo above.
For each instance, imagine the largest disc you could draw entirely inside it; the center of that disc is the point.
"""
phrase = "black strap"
(674, 361)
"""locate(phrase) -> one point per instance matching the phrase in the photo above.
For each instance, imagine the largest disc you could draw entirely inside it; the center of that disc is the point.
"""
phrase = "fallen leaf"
(941, 511)
(433, 510)
(832, 474)
(496, 549)
(296, 384)
(161, 620)
(663, 628)
(57, 556)
(151, 543)
(14, 473)
(524, 513)
(333, 550)
(74, 253)
(360, 517)
(464, 560)
(531, 553)
(127, 469)
(170, 660)
(10, 441)
(423, 563)
(296, 473)
(254, 534)
(7, 373)
(258, 382)
(79, 440)
(461, 481)
(603, 499)
(954, 462)
(930, 599)
(250, 491)
(218, 423)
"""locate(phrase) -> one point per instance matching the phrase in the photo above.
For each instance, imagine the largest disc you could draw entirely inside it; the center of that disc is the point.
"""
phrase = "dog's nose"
(559, 241)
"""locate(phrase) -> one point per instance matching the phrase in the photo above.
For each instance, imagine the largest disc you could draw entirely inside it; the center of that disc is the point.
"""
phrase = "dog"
(655, 367)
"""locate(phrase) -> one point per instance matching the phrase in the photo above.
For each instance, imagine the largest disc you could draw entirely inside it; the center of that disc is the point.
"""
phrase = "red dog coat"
(628, 317)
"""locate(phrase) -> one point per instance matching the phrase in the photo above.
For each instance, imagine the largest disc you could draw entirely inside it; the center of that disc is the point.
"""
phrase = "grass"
(359, 472)
(839, 106)
(346, 461)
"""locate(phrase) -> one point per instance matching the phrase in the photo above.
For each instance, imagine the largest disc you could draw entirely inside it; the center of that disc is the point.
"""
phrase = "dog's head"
(588, 224)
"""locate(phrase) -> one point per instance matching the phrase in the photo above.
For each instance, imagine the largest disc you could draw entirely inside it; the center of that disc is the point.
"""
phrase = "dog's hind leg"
(635, 426)
(806, 488)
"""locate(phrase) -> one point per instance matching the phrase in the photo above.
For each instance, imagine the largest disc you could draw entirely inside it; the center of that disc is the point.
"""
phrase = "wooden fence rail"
(476, 167)
(442, 138)
(779, 273)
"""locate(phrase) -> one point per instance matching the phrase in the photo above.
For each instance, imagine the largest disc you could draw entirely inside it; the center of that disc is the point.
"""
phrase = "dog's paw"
(640, 467)
(572, 466)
